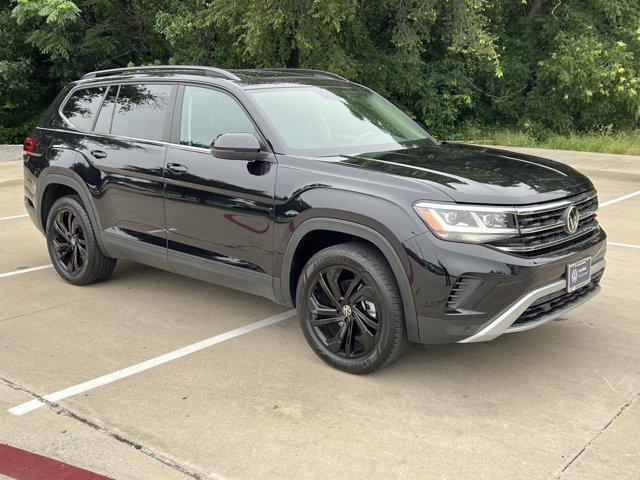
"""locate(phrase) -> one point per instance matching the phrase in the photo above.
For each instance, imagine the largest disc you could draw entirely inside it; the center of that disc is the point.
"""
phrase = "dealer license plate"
(578, 274)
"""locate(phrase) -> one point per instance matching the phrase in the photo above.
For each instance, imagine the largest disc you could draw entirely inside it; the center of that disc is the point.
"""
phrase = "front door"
(219, 212)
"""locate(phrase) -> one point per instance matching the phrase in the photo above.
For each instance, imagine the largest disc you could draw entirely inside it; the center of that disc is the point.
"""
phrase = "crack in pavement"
(44, 309)
(594, 437)
(60, 410)
(94, 296)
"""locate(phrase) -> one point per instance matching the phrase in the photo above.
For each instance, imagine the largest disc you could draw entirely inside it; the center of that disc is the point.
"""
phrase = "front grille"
(542, 226)
(556, 301)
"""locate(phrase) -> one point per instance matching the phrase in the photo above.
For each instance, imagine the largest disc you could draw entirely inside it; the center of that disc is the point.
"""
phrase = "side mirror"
(237, 146)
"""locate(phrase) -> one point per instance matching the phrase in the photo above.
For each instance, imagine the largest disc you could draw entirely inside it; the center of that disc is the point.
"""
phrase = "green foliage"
(568, 66)
(55, 17)
(18, 85)
(592, 76)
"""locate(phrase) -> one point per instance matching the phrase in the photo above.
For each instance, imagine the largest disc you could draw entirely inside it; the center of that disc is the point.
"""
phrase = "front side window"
(207, 113)
(141, 111)
(336, 120)
(82, 106)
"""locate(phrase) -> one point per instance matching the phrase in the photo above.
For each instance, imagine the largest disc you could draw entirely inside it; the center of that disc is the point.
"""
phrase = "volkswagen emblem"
(574, 276)
(571, 219)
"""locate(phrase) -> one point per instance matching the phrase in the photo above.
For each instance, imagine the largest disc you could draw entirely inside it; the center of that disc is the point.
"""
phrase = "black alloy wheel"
(344, 312)
(73, 247)
(69, 241)
(350, 309)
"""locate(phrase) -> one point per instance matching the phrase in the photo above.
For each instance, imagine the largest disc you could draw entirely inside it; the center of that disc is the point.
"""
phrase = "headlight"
(468, 223)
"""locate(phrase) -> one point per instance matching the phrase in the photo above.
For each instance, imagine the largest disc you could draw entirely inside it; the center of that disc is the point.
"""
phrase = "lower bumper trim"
(504, 322)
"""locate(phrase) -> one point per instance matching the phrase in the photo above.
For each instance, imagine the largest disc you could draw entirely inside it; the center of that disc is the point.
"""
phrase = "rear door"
(126, 151)
(219, 212)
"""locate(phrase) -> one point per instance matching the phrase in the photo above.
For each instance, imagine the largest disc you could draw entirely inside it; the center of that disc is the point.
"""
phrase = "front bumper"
(505, 292)
(505, 322)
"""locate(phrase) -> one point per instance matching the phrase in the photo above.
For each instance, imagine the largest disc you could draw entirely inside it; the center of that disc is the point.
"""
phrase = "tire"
(371, 309)
(70, 233)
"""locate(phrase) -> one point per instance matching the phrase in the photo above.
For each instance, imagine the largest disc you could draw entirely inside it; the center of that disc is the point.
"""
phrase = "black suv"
(312, 191)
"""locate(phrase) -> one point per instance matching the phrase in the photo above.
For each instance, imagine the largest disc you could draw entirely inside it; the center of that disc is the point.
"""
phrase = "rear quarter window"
(82, 106)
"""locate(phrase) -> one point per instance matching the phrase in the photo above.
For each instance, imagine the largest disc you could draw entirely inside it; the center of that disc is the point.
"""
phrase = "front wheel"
(73, 248)
(350, 309)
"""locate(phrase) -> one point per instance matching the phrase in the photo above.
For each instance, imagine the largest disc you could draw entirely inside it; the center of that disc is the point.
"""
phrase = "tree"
(561, 65)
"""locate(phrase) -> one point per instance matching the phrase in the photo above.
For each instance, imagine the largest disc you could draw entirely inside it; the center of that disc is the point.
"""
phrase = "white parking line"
(628, 245)
(24, 270)
(146, 365)
(619, 199)
(12, 217)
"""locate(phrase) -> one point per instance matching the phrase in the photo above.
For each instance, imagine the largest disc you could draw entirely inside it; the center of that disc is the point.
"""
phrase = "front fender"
(396, 224)
(376, 220)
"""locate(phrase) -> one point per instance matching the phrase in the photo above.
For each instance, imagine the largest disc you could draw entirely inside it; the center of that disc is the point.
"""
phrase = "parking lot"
(253, 400)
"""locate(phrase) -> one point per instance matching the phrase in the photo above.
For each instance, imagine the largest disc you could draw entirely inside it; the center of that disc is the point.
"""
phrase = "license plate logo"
(578, 274)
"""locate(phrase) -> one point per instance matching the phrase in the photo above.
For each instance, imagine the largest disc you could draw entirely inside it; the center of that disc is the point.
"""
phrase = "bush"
(535, 66)
(604, 142)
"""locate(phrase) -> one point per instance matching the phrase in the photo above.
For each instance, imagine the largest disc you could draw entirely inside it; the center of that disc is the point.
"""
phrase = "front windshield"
(336, 120)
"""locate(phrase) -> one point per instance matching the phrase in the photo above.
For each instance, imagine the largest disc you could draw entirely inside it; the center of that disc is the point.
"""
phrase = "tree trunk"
(294, 58)
(535, 8)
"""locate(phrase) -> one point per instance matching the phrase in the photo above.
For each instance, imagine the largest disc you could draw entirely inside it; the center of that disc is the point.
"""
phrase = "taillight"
(29, 144)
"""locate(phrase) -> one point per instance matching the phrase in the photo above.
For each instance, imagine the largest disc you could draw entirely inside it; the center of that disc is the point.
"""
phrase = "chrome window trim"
(503, 322)
(189, 148)
(108, 135)
(106, 83)
(116, 137)
(110, 82)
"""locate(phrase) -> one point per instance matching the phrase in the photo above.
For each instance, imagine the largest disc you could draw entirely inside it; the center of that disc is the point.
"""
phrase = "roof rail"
(315, 73)
(208, 71)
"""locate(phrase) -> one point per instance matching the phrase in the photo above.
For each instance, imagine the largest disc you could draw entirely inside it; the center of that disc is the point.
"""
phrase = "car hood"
(473, 174)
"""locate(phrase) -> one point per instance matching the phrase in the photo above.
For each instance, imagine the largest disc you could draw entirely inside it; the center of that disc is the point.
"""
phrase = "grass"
(625, 143)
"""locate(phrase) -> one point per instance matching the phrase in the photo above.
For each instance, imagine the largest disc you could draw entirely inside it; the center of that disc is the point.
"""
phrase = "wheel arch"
(284, 287)
(50, 182)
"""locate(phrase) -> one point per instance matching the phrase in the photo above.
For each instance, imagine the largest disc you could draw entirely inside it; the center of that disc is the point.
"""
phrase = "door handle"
(98, 154)
(177, 168)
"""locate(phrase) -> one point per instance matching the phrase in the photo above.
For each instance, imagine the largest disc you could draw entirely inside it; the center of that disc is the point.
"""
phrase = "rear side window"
(82, 106)
(141, 111)
(103, 123)
(208, 113)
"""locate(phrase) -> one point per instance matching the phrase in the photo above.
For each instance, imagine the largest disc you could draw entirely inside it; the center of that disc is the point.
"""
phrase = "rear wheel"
(350, 309)
(73, 248)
